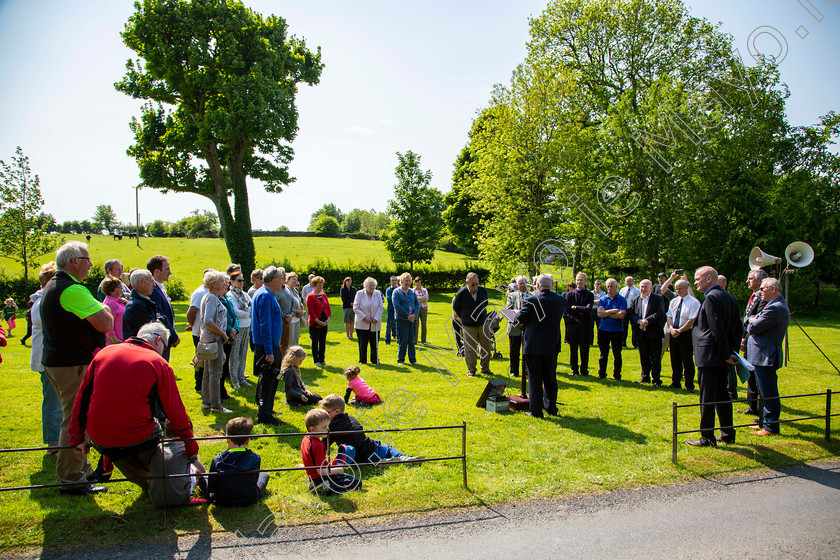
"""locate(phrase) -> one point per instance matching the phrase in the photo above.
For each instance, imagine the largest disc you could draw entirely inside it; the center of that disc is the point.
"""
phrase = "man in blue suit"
(540, 316)
(161, 271)
(764, 350)
(716, 338)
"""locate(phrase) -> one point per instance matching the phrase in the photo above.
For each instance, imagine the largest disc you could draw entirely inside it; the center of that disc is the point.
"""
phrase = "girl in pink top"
(112, 289)
(355, 384)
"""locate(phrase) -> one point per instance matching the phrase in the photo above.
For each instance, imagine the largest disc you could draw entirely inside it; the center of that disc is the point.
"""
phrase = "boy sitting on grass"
(367, 450)
(314, 453)
(230, 488)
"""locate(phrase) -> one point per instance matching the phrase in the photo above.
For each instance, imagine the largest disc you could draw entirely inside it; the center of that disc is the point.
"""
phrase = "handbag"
(207, 351)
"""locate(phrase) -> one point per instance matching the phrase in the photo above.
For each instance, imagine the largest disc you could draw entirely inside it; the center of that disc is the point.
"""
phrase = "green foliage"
(326, 226)
(158, 228)
(416, 224)
(200, 224)
(329, 209)
(105, 218)
(283, 228)
(23, 230)
(221, 82)
(635, 135)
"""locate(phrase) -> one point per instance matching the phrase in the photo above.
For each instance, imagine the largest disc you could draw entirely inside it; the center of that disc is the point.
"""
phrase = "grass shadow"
(597, 427)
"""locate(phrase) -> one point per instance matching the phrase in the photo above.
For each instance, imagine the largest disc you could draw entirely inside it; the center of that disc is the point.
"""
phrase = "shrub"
(327, 226)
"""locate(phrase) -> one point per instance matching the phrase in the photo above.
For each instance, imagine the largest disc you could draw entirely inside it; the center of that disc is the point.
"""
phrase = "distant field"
(190, 257)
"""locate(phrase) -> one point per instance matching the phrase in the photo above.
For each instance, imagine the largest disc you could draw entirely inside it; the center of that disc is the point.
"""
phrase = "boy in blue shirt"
(230, 488)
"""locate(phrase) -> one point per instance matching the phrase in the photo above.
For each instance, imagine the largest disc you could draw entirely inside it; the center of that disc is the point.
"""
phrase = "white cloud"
(357, 129)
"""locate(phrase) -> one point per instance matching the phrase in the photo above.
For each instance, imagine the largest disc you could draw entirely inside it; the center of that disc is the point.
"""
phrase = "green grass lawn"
(190, 257)
(609, 435)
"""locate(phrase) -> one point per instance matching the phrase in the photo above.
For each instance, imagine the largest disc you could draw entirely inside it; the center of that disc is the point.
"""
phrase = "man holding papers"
(764, 350)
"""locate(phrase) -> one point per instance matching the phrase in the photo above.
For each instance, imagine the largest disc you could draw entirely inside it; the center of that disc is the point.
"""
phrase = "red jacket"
(314, 307)
(114, 402)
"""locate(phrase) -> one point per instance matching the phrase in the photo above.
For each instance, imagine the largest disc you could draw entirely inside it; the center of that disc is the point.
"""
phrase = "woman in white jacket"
(368, 322)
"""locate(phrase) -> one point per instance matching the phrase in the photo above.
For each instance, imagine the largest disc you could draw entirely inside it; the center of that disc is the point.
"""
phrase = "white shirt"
(645, 301)
(630, 294)
(195, 301)
(689, 311)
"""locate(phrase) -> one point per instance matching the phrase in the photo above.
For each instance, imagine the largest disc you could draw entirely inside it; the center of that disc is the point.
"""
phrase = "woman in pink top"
(355, 384)
(423, 297)
(112, 288)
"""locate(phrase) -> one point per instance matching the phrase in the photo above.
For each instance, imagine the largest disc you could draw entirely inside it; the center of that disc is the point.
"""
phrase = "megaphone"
(760, 259)
(799, 254)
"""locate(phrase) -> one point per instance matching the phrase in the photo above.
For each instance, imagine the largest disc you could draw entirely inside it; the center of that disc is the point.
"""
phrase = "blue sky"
(398, 76)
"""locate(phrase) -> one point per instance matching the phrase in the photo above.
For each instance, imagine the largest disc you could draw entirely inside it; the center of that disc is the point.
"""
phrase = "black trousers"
(578, 335)
(753, 396)
(712, 389)
(368, 338)
(459, 341)
(605, 340)
(542, 383)
(266, 388)
(515, 350)
(682, 360)
(318, 336)
(650, 354)
(199, 370)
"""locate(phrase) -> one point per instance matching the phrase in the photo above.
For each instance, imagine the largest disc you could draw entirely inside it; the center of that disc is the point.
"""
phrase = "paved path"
(790, 514)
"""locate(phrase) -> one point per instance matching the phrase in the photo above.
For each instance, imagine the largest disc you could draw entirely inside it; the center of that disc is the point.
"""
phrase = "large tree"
(23, 230)
(105, 218)
(416, 223)
(221, 81)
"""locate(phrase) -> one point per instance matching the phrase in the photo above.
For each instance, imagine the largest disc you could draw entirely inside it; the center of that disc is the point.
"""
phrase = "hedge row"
(19, 289)
(434, 278)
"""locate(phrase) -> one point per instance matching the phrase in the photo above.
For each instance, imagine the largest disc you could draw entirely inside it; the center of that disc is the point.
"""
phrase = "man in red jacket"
(115, 403)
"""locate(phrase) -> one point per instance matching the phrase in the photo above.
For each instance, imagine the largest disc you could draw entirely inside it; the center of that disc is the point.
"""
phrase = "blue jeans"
(383, 452)
(768, 387)
(405, 333)
(51, 415)
(390, 326)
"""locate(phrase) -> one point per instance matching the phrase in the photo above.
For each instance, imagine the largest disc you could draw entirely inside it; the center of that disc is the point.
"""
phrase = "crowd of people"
(107, 382)
(705, 337)
(87, 346)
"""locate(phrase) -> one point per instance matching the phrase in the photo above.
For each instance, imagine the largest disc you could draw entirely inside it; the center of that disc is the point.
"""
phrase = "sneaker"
(412, 459)
(196, 501)
(222, 410)
(205, 406)
(245, 383)
(235, 386)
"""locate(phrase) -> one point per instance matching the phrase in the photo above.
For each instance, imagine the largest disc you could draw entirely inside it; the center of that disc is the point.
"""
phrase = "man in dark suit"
(715, 338)
(647, 316)
(161, 271)
(754, 307)
(766, 331)
(540, 316)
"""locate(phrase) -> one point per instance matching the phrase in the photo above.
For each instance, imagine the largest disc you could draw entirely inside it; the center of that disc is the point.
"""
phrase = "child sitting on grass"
(178, 490)
(296, 392)
(329, 478)
(355, 384)
(367, 450)
(230, 488)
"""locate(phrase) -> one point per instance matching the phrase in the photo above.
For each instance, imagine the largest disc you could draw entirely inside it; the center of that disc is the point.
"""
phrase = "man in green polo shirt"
(74, 327)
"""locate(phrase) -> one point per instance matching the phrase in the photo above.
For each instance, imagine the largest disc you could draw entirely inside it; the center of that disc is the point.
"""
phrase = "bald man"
(716, 338)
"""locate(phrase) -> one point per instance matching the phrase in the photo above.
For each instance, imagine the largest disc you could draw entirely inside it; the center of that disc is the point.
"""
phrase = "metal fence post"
(828, 414)
(674, 434)
(464, 451)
